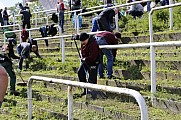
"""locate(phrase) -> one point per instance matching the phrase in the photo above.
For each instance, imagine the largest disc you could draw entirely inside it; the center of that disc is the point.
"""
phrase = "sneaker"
(102, 77)
(15, 93)
(84, 93)
(111, 77)
(91, 94)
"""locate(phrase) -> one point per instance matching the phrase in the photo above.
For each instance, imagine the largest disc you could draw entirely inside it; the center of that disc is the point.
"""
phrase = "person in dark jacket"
(105, 20)
(107, 38)
(3, 84)
(90, 59)
(1, 17)
(5, 61)
(5, 16)
(26, 15)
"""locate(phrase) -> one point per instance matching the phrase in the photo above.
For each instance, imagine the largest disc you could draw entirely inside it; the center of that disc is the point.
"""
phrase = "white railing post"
(75, 20)
(30, 100)
(77, 23)
(117, 22)
(171, 14)
(70, 103)
(152, 49)
(138, 97)
(152, 57)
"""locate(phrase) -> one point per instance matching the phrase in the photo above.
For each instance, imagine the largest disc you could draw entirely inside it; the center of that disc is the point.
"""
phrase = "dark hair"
(118, 35)
(83, 36)
(20, 5)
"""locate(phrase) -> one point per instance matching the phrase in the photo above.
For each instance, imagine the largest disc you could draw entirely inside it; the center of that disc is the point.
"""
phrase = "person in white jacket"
(135, 10)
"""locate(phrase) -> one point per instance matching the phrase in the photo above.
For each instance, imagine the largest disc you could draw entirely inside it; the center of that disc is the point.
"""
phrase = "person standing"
(90, 59)
(1, 17)
(107, 38)
(5, 16)
(3, 84)
(26, 15)
(60, 9)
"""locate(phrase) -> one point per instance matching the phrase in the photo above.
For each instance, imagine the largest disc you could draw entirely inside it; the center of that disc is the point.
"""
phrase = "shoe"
(102, 77)
(15, 93)
(91, 94)
(111, 77)
(84, 93)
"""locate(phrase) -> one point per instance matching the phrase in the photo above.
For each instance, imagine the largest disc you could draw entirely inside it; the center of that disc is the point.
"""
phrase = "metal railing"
(152, 54)
(51, 11)
(14, 31)
(19, 27)
(116, 17)
(152, 49)
(62, 45)
(138, 97)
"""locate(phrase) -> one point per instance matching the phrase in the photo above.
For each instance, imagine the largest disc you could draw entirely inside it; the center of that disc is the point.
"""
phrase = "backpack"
(54, 18)
(77, 2)
(85, 10)
(52, 30)
(9, 35)
(24, 35)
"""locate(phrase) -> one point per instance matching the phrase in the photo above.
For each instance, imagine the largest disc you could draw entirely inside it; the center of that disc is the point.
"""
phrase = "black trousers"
(26, 23)
(89, 71)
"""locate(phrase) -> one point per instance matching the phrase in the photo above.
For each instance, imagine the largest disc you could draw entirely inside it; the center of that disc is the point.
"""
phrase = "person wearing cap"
(3, 84)
(104, 21)
(90, 59)
(107, 38)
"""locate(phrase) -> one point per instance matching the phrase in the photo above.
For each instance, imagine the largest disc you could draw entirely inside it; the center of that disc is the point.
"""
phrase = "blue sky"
(8, 3)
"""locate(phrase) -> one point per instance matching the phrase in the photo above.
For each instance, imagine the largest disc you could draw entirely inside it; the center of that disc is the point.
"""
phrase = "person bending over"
(107, 38)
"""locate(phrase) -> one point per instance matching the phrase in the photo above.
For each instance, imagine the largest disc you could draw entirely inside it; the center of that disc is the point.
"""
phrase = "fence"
(14, 31)
(62, 45)
(140, 100)
(51, 11)
(9, 31)
(152, 49)
(116, 17)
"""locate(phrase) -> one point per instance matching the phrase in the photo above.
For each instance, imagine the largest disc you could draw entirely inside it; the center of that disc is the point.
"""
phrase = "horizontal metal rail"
(116, 20)
(19, 27)
(138, 97)
(15, 31)
(142, 45)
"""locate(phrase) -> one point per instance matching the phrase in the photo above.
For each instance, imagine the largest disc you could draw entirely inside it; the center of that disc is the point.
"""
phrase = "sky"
(8, 3)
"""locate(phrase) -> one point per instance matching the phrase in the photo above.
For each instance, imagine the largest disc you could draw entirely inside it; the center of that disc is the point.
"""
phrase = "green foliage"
(160, 21)
(38, 65)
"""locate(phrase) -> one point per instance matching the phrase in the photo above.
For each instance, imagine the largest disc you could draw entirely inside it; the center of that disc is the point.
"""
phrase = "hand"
(83, 60)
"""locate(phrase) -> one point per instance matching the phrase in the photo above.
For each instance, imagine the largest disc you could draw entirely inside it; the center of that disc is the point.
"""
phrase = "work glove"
(83, 60)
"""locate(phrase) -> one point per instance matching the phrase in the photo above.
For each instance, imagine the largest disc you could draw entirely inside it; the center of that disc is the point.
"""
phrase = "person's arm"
(3, 84)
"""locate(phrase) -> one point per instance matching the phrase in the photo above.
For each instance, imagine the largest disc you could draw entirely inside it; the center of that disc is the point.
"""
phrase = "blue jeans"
(109, 56)
(148, 6)
(95, 26)
(61, 20)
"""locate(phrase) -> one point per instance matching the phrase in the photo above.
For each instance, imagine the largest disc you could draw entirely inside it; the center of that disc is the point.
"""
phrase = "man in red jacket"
(107, 38)
(90, 59)
(60, 9)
